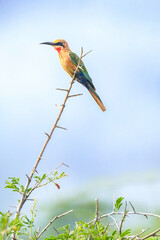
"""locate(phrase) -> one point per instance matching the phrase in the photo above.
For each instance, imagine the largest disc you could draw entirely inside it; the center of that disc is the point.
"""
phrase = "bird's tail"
(96, 98)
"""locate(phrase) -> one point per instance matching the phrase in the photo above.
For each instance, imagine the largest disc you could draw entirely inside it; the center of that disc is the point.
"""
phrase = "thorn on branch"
(75, 95)
(61, 127)
(28, 177)
(62, 89)
(65, 164)
(132, 207)
(47, 136)
(56, 230)
(58, 106)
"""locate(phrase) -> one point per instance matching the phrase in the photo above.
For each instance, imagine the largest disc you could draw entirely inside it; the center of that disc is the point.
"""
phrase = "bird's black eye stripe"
(59, 44)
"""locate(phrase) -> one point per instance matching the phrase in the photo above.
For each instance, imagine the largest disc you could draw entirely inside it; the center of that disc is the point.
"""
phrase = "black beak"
(48, 43)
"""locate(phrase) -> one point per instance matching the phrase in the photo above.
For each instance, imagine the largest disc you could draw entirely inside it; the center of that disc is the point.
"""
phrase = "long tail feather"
(97, 99)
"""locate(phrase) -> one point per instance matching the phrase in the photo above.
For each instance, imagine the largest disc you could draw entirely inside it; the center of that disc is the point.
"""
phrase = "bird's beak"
(48, 43)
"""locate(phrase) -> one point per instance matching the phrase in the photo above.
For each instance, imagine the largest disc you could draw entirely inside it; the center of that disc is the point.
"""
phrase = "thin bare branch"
(153, 234)
(123, 218)
(137, 235)
(59, 216)
(37, 184)
(128, 213)
(115, 222)
(96, 215)
(86, 53)
(106, 228)
(24, 196)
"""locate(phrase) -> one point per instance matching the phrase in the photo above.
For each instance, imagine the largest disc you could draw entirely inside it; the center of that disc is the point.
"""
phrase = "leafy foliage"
(96, 229)
(15, 185)
(24, 225)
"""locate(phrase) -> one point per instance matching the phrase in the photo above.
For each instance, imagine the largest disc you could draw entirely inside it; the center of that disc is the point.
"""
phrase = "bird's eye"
(60, 44)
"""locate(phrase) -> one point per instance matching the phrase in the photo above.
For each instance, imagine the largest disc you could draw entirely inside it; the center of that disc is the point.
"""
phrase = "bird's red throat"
(58, 49)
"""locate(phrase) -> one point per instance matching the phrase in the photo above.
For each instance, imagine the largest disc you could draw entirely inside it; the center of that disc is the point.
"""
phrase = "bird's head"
(58, 45)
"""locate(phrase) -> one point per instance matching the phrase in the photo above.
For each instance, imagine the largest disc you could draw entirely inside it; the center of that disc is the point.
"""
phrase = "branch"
(96, 215)
(29, 178)
(128, 213)
(151, 234)
(137, 235)
(115, 222)
(37, 185)
(59, 216)
(86, 53)
(124, 215)
(123, 218)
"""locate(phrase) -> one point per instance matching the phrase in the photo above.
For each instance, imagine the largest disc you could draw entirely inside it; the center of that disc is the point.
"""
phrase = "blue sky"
(124, 66)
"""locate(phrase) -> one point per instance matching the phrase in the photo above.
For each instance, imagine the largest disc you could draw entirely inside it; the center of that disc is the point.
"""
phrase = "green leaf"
(43, 177)
(128, 231)
(37, 178)
(118, 203)
(13, 184)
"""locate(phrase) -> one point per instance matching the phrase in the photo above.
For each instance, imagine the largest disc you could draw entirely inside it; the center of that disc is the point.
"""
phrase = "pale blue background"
(113, 152)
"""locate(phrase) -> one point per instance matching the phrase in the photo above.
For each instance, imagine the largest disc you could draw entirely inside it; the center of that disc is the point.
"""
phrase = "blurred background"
(115, 153)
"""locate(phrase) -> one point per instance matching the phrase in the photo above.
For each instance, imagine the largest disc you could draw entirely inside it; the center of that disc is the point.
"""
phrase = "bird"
(69, 61)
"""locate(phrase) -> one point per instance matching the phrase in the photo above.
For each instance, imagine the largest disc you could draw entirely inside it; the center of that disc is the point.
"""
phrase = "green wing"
(82, 68)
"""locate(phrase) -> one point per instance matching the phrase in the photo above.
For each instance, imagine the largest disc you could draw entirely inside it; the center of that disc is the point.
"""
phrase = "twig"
(115, 222)
(96, 215)
(106, 228)
(128, 213)
(29, 179)
(137, 235)
(59, 216)
(123, 218)
(37, 184)
(86, 53)
(151, 234)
